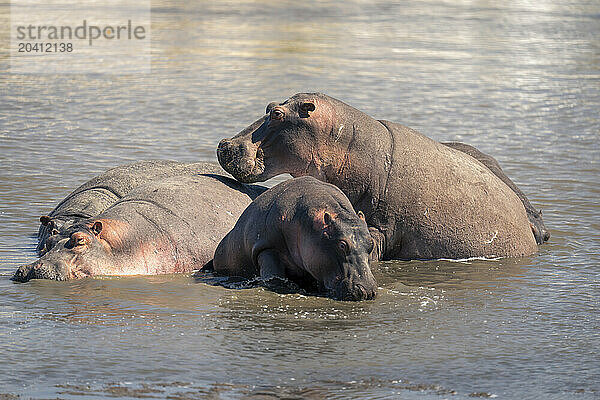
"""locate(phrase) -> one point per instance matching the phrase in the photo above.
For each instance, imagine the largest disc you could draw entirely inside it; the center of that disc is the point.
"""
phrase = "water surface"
(520, 81)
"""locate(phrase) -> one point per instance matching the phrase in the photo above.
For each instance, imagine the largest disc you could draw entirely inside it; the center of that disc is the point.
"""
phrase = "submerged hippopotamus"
(171, 225)
(306, 231)
(99, 193)
(421, 199)
(535, 217)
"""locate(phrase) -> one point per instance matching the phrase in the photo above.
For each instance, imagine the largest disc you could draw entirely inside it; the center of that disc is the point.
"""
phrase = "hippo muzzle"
(347, 291)
(41, 270)
(243, 160)
(242, 155)
(355, 286)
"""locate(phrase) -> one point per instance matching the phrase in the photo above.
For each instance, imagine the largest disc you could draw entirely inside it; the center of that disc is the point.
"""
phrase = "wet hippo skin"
(421, 199)
(102, 191)
(535, 217)
(304, 230)
(171, 225)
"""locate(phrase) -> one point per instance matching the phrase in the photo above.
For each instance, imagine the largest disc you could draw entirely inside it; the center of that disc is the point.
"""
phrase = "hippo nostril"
(372, 294)
(362, 293)
(224, 143)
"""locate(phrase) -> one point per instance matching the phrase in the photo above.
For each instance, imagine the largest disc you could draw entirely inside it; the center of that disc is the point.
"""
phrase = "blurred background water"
(520, 80)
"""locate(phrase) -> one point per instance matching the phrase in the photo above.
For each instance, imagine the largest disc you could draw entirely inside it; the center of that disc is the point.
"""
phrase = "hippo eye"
(276, 114)
(343, 246)
(78, 240)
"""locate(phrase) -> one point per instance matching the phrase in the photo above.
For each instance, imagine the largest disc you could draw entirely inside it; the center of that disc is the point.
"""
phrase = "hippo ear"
(305, 108)
(361, 215)
(270, 106)
(327, 218)
(322, 220)
(97, 228)
(45, 220)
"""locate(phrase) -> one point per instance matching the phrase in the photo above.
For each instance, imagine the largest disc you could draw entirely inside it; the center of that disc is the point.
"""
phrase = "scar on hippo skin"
(305, 231)
(422, 200)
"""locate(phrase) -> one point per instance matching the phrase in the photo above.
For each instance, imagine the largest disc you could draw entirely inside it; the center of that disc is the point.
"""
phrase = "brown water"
(520, 81)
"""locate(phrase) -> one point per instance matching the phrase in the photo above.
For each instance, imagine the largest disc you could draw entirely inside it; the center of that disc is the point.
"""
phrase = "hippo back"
(190, 214)
(454, 207)
(100, 192)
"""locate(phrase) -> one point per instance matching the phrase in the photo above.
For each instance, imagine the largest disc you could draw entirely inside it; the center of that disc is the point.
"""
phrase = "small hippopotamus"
(306, 231)
(99, 193)
(171, 225)
(538, 228)
(421, 199)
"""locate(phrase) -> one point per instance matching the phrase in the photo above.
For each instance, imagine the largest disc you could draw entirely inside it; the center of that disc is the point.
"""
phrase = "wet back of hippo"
(535, 217)
(446, 204)
(102, 191)
(175, 224)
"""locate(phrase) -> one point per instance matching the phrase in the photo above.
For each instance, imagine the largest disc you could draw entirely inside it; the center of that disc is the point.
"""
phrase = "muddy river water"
(519, 80)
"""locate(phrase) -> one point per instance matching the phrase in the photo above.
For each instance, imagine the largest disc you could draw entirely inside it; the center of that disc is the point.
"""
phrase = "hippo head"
(537, 227)
(82, 251)
(52, 230)
(338, 255)
(285, 140)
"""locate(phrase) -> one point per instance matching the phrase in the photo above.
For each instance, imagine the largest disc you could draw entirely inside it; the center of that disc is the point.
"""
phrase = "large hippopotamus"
(421, 199)
(540, 232)
(171, 225)
(99, 193)
(306, 231)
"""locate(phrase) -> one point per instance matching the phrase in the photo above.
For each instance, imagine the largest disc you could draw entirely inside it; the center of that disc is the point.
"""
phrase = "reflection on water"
(520, 81)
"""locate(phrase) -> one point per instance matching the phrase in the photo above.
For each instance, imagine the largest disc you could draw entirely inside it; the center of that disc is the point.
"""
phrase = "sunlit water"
(520, 81)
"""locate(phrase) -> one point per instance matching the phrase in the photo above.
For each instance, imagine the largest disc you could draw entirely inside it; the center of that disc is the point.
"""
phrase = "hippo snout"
(347, 291)
(40, 270)
(240, 159)
(23, 274)
(224, 145)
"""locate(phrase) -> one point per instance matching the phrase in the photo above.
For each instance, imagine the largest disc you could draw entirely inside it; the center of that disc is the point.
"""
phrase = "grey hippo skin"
(421, 199)
(534, 216)
(99, 193)
(306, 231)
(171, 225)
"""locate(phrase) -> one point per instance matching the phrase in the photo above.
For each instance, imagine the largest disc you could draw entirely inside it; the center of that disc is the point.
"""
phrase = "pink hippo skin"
(167, 226)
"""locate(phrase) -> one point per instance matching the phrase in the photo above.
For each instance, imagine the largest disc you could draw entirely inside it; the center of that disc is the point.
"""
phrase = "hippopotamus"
(421, 199)
(306, 231)
(171, 225)
(96, 195)
(536, 222)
